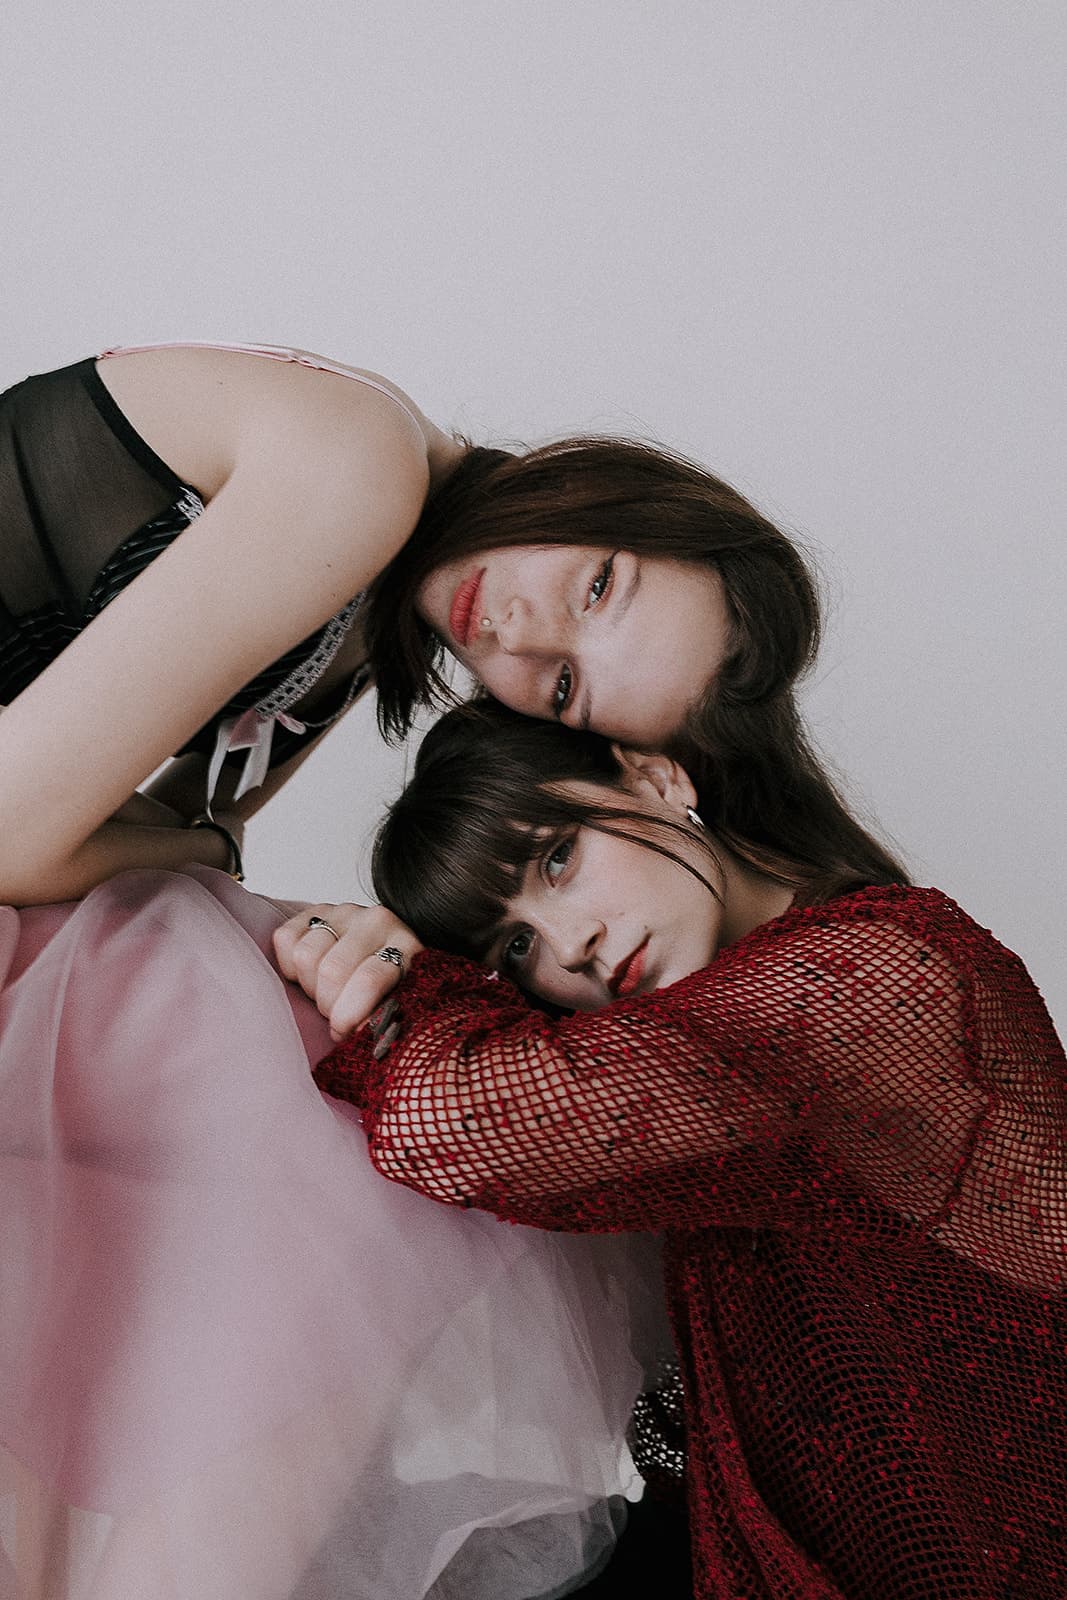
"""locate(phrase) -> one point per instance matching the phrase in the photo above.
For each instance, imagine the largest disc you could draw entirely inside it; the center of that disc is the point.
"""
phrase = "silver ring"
(391, 954)
(320, 922)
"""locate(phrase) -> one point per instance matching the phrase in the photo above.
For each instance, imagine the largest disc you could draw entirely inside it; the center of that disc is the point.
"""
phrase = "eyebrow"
(621, 606)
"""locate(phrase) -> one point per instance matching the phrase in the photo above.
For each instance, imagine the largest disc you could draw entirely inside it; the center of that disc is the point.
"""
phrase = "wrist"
(235, 866)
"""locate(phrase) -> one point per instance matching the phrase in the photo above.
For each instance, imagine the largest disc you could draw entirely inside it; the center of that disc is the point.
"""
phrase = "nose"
(524, 630)
(578, 942)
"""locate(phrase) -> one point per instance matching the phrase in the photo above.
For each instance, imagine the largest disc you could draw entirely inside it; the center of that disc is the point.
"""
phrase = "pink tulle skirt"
(235, 1363)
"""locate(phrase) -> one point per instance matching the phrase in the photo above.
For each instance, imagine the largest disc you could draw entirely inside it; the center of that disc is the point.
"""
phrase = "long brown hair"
(484, 799)
(615, 494)
(766, 792)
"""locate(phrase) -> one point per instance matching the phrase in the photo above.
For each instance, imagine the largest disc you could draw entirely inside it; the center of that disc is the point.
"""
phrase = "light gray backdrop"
(818, 245)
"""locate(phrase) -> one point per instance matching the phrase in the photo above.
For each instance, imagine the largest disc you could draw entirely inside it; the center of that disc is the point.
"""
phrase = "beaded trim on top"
(307, 673)
(253, 730)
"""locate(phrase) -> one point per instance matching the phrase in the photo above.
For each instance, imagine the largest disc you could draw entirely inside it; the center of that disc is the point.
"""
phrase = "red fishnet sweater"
(852, 1126)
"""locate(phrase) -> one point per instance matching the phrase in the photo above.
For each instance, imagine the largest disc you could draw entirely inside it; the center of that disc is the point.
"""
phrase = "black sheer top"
(85, 505)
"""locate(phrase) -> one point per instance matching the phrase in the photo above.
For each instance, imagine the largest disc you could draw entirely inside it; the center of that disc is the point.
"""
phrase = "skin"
(621, 643)
(601, 916)
(588, 902)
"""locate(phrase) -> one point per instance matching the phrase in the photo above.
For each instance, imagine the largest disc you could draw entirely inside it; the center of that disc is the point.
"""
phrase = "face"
(600, 918)
(620, 643)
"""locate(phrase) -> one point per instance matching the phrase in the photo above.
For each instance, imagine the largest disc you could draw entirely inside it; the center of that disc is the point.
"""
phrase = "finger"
(367, 989)
(379, 1020)
(299, 946)
(370, 929)
(366, 986)
(385, 1040)
(287, 937)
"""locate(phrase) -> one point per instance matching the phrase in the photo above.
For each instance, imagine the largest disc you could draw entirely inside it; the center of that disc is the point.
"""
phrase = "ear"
(650, 772)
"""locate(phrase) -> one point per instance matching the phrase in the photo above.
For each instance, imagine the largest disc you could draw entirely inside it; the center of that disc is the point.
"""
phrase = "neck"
(444, 454)
(750, 898)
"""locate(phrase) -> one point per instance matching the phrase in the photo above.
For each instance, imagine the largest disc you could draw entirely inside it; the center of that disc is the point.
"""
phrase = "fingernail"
(383, 1016)
(388, 1038)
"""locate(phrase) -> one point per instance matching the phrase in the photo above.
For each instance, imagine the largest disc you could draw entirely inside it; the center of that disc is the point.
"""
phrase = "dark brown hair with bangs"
(611, 494)
(485, 800)
(483, 803)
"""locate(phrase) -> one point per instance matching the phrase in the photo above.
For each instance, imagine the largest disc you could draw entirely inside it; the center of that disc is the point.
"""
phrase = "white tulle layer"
(235, 1363)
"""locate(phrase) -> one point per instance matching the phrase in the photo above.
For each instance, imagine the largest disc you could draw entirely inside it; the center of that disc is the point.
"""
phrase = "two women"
(206, 1329)
(843, 1101)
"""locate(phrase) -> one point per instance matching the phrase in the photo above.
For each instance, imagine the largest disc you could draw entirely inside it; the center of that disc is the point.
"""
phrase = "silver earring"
(695, 818)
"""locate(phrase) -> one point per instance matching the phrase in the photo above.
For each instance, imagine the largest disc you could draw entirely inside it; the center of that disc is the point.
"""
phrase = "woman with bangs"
(843, 1102)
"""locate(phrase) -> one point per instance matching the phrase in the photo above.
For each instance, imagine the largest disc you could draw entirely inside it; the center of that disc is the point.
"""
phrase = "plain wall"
(819, 246)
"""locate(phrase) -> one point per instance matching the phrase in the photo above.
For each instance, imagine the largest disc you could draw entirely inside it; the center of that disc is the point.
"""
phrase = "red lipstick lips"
(462, 618)
(627, 975)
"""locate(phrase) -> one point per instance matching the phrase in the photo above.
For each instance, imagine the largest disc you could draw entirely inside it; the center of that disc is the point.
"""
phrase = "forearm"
(117, 846)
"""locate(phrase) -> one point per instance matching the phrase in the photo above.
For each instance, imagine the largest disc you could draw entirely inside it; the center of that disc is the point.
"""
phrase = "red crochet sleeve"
(882, 1041)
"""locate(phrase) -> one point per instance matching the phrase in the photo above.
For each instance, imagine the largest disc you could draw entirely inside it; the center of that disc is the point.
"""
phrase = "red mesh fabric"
(852, 1126)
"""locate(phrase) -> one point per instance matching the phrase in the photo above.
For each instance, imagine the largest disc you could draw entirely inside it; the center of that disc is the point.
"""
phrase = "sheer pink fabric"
(235, 1364)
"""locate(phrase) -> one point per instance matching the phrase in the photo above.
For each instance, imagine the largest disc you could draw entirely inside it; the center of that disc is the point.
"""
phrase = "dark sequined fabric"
(656, 1434)
(852, 1126)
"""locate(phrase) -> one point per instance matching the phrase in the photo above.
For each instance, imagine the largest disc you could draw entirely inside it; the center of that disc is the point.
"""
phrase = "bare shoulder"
(207, 410)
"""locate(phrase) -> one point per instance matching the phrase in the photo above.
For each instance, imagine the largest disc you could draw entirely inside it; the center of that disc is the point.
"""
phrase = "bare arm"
(322, 481)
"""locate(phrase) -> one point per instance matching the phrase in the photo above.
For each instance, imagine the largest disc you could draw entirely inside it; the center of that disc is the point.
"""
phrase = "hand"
(344, 976)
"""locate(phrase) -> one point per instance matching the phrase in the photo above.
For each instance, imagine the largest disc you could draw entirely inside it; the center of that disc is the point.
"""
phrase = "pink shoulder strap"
(270, 352)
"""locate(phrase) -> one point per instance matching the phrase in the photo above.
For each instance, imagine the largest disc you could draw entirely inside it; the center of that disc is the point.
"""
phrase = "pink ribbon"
(248, 731)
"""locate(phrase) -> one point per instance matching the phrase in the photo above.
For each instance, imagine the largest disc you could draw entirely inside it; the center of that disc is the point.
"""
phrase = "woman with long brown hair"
(214, 550)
